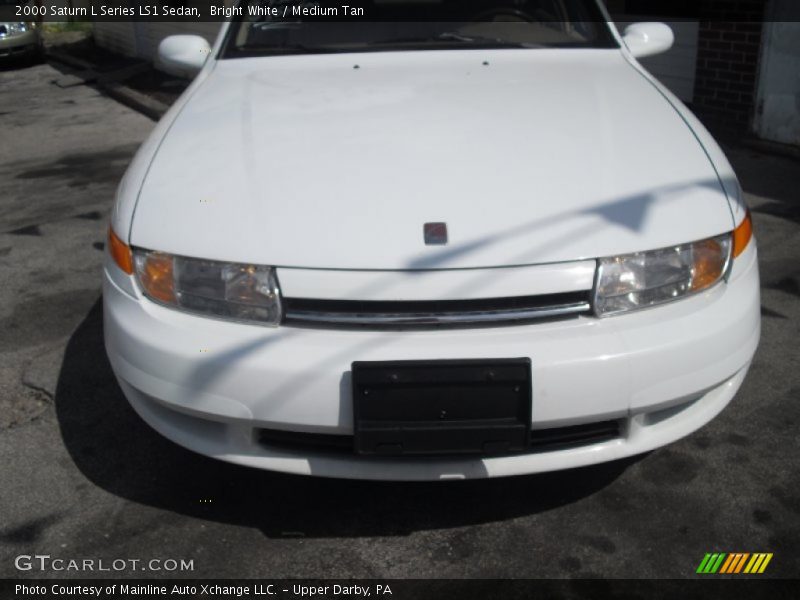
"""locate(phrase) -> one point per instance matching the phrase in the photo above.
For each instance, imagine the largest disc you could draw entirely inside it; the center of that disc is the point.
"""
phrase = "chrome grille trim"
(372, 314)
(436, 319)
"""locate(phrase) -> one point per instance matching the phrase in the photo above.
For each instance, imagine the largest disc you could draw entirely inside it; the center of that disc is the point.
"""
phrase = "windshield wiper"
(452, 37)
(287, 49)
(444, 38)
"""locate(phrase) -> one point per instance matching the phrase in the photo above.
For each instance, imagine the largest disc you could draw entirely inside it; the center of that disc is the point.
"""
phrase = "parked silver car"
(21, 38)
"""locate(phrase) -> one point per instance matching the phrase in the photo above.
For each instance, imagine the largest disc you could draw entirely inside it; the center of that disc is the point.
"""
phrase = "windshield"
(292, 27)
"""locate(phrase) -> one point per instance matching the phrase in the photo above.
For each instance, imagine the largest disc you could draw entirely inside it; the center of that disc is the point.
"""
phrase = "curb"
(69, 60)
(772, 148)
(131, 98)
(136, 100)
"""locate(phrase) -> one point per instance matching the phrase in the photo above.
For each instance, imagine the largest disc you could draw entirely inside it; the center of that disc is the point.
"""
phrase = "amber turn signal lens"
(156, 274)
(710, 259)
(120, 252)
(742, 235)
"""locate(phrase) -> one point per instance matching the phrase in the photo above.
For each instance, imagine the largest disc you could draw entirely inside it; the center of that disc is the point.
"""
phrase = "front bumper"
(20, 45)
(211, 385)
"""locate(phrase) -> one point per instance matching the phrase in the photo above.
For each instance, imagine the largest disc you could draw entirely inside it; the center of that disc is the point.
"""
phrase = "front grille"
(542, 440)
(433, 313)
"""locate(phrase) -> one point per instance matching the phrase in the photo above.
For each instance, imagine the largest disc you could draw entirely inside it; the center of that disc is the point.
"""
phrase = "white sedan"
(476, 242)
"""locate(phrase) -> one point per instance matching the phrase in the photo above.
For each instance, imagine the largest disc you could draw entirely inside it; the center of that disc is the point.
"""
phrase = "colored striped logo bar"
(734, 563)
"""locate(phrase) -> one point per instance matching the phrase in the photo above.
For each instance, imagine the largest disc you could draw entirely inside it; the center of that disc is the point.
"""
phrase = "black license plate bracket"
(442, 407)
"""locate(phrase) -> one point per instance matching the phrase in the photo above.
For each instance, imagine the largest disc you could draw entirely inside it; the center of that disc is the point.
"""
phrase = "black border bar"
(705, 588)
(212, 10)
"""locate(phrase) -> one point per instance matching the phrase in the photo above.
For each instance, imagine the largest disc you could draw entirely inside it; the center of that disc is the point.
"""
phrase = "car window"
(415, 25)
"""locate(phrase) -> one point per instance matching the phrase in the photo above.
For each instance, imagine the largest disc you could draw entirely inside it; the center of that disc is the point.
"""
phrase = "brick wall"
(727, 64)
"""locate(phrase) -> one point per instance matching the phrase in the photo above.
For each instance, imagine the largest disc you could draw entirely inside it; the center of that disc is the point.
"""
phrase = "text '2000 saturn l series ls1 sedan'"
(480, 244)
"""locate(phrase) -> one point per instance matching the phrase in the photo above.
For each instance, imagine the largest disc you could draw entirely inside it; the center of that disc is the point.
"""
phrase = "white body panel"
(457, 284)
(584, 159)
(777, 118)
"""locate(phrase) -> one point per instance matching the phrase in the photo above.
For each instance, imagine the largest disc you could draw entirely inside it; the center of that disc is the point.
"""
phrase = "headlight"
(16, 28)
(227, 290)
(646, 279)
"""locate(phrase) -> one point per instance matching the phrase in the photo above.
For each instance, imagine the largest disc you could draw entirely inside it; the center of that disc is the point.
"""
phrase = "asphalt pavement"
(82, 476)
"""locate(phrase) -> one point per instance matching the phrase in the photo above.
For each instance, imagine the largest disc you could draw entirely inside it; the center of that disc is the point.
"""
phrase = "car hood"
(337, 161)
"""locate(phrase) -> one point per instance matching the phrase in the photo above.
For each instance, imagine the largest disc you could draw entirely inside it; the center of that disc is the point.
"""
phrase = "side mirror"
(183, 55)
(646, 39)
